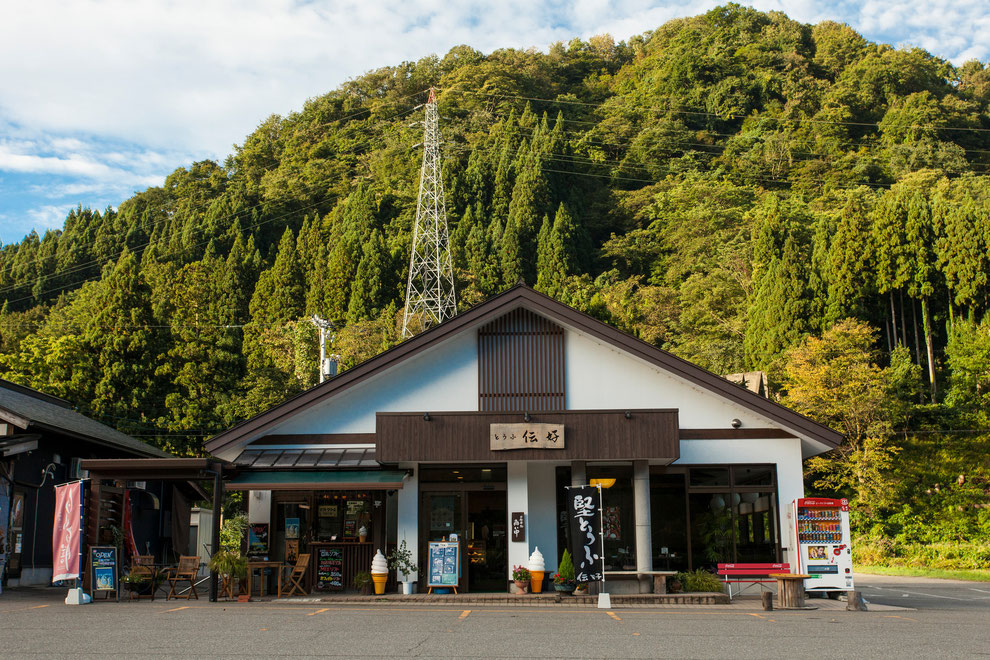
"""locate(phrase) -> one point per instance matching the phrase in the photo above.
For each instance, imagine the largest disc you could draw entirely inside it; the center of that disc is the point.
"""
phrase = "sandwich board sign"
(444, 567)
(103, 570)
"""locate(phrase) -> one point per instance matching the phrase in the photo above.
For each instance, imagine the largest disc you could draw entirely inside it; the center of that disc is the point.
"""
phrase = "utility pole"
(430, 291)
(328, 363)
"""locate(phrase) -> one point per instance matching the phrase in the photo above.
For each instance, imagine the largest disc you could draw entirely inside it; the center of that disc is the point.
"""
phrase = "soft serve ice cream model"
(537, 569)
(379, 572)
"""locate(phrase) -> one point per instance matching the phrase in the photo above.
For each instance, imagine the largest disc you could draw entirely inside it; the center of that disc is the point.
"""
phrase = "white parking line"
(915, 593)
(982, 591)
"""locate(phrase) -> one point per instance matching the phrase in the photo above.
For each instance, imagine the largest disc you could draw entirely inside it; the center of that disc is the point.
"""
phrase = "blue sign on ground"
(444, 564)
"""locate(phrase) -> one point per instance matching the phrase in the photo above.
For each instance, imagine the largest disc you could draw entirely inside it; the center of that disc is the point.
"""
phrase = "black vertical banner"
(584, 508)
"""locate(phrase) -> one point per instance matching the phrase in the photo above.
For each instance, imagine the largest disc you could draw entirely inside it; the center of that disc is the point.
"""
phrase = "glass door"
(487, 556)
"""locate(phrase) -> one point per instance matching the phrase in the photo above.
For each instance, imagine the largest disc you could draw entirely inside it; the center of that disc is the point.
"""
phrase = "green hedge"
(880, 551)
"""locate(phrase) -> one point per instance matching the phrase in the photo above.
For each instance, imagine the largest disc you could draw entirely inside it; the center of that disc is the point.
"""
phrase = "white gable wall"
(442, 378)
(599, 376)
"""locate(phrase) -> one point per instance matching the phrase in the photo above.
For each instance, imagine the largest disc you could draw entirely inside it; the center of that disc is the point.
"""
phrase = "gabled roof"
(516, 297)
(28, 408)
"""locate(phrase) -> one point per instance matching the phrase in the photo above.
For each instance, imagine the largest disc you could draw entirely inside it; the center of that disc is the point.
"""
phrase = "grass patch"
(973, 575)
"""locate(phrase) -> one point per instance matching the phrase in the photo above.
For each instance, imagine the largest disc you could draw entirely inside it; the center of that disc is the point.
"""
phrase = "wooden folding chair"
(296, 577)
(186, 571)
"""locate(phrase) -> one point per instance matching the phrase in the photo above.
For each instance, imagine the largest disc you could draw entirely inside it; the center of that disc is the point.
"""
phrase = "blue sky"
(101, 98)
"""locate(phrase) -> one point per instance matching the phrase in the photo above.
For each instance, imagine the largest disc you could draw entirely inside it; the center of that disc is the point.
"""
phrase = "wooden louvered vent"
(521, 364)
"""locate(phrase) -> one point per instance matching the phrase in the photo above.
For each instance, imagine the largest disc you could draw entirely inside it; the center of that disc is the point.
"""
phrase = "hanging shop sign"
(584, 510)
(518, 526)
(529, 435)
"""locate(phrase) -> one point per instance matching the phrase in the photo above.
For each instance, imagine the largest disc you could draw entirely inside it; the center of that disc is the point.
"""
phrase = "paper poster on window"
(258, 538)
(292, 528)
(612, 523)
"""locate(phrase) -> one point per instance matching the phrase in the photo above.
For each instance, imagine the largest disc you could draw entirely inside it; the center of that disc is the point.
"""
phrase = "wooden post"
(855, 602)
(767, 597)
(215, 535)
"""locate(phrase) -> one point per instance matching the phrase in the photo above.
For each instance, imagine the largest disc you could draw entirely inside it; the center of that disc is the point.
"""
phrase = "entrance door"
(478, 518)
(487, 554)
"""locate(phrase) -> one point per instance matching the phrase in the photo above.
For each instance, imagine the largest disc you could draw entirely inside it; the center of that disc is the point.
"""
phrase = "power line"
(315, 187)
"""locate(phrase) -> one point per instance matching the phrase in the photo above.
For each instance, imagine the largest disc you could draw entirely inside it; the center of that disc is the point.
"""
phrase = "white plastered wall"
(541, 519)
(599, 376)
(517, 500)
(442, 378)
(408, 514)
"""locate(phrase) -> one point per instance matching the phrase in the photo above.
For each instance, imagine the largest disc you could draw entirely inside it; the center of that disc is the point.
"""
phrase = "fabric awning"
(327, 480)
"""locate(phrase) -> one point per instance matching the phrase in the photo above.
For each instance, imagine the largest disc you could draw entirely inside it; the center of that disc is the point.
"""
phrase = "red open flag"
(66, 532)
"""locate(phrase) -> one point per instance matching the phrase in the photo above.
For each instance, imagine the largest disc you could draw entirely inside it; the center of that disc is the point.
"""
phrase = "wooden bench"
(750, 573)
(659, 578)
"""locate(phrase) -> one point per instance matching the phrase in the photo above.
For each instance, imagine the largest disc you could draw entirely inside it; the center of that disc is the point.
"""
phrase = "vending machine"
(820, 534)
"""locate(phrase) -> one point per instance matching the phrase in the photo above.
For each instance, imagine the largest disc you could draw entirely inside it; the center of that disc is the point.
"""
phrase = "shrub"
(700, 580)
(566, 568)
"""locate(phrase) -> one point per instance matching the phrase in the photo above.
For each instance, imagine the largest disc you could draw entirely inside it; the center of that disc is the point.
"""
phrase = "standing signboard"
(329, 569)
(103, 569)
(584, 509)
(444, 565)
(67, 532)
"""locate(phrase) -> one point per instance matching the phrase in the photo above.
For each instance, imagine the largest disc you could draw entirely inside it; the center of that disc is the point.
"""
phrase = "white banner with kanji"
(66, 532)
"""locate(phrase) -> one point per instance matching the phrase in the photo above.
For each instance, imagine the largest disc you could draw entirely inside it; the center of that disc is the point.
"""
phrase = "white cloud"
(50, 216)
(117, 90)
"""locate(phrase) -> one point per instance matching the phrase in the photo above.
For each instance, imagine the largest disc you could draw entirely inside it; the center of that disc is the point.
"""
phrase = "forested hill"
(723, 187)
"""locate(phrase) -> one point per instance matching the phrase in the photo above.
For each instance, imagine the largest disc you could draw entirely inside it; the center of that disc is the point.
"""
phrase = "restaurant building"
(484, 420)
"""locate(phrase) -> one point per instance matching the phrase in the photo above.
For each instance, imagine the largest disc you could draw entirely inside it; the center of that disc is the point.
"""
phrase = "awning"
(299, 480)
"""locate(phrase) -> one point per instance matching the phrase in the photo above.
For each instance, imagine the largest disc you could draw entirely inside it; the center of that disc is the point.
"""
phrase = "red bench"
(751, 573)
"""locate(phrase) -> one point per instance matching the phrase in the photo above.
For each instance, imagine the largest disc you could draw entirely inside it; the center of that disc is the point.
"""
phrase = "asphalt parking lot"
(36, 624)
(926, 593)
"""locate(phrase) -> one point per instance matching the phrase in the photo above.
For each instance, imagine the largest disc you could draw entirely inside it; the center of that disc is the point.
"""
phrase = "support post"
(215, 532)
(644, 540)
(855, 602)
(579, 473)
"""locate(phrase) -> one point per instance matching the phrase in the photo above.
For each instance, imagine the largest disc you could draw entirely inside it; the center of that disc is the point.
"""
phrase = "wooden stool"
(790, 589)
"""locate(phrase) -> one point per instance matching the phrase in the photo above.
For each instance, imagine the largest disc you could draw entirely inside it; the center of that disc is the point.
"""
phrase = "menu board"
(103, 564)
(444, 563)
(329, 569)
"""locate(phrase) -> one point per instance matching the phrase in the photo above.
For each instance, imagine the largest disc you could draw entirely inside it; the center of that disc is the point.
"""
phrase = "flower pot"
(521, 585)
(407, 588)
(565, 587)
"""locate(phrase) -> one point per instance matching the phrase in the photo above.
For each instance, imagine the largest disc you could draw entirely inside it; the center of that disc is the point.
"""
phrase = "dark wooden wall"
(589, 435)
(521, 363)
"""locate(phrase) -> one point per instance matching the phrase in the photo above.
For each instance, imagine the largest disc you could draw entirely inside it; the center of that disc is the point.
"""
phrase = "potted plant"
(521, 575)
(401, 561)
(229, 564)
(362, 582)
(141, 584)
(563, 579)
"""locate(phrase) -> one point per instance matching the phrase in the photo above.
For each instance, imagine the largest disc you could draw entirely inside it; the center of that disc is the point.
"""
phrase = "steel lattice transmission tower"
(430, 292)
